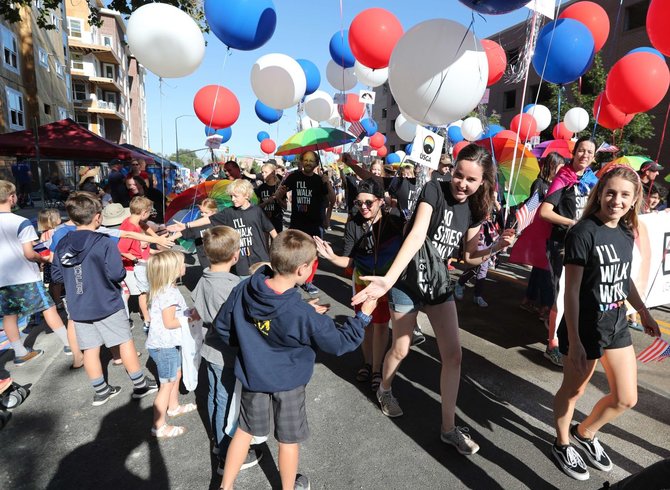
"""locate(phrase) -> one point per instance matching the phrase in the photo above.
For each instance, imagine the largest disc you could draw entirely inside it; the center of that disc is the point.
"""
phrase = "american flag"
(657, 351)
(357, 129)
(526, 213)
(607, 148)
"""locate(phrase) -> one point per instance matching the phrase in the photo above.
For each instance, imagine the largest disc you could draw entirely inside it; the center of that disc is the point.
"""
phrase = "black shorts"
(608, 331)
(555, 255)
(288, 408)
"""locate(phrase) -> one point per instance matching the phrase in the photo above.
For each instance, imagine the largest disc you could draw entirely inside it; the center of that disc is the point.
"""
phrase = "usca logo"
(428, 144)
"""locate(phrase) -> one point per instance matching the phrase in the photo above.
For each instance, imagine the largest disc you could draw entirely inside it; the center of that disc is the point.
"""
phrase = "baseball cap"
(650, 165)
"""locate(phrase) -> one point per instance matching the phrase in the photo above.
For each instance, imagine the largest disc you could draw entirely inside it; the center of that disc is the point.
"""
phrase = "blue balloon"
(340, 50)
(311, 74)
(455, 135)
(289, 158)
(568, 55)
(408, 148)
(492, 130)
(645, 49)
(225, 133)
(241, 24)
(392, 158)
(262, 135)
(370, 126)
(267, 114)
(494, 7)
(528, 107)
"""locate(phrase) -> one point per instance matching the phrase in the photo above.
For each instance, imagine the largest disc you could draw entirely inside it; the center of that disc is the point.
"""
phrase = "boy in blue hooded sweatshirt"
(90, 266)
(278, 334)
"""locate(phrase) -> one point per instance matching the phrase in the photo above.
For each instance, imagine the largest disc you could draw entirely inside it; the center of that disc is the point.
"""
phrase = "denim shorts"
(403, 301)
(168, 363)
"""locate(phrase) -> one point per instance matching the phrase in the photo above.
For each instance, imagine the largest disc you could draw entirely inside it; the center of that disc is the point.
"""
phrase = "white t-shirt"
(15, 269)
(159, 336)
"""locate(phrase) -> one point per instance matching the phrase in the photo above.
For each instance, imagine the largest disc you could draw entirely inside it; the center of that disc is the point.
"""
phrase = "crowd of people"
(260, 334)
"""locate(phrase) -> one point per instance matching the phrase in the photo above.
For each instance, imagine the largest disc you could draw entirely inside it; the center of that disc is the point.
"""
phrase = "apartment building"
(107, 82)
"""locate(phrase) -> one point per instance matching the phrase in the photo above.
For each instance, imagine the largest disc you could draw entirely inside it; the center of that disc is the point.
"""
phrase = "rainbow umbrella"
(562, 147)
(634, 162)
(314, 139)
(191, 197)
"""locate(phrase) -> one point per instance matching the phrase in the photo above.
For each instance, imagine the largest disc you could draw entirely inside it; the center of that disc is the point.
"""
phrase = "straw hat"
(86, 172)
(113, 214)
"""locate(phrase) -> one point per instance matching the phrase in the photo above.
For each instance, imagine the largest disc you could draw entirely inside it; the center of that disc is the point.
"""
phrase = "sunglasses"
(368, 203)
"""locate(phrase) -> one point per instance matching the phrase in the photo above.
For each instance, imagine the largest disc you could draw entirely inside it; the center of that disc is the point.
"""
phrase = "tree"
(584, 95)
(11, 11)
(188, 158)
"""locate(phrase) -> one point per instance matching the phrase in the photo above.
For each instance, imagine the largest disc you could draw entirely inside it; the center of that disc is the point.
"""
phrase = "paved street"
(57, 440)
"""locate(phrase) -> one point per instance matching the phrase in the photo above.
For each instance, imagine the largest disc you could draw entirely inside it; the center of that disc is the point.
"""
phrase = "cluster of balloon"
(372, 36)
(437, 90)
(382, 151)
(267, 114)
(497, 60)
(609, 116)
(541, 113)
(657, 27)
(216, 106)
(241, 24)
(225, 133)
(406, 130)
(165, 40)
(352, 110)
(278, 80)
(377, 140)
(262, 136)
(525, 125)
(472, 129)
(494, 7)
(268, 146)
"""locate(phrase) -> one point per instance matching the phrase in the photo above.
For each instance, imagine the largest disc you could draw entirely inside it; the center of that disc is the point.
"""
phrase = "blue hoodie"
(89, 264)
(278, 335)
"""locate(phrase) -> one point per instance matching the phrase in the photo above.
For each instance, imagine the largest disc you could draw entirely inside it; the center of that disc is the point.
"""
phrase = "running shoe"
(554, 355)
(301, 482)
(593, 449)
(461, 440)
(570, 461)
(104, 398)
(479, 301)
(388, 403)
(32, 354)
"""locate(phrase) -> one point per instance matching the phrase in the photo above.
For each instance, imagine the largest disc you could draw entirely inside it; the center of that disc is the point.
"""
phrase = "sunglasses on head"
(368, 203)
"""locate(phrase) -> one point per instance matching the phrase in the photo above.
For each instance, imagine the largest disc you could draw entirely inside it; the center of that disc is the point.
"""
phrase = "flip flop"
(168, 431)
(182, 409)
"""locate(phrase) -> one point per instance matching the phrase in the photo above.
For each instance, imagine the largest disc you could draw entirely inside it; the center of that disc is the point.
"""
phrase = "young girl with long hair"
(164, 340)
(598, 257)
(467, 200)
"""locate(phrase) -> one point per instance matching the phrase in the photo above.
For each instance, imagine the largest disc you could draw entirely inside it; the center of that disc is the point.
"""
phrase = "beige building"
(107, 82)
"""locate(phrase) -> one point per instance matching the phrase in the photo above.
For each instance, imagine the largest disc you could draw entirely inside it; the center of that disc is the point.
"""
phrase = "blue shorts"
(24, 299)
(168, 363)
(403, 301)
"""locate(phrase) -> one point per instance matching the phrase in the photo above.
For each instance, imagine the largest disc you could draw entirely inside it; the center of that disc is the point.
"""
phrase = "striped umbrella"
(314, 139)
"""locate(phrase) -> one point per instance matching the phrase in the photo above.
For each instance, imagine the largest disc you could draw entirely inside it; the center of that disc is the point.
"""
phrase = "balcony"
(92, 44)
(105, 83)
(108, 110)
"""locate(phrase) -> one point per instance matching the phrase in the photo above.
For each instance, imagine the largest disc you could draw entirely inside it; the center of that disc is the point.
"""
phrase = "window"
(10, 50)
(101, 126)
(77, 62)
(509, 100)
(68, 85)
(79, 90)
(532, 93)
(636, 16)
(47, 109)
(15, 107)
(60, 69)
(384, 113)
(43, 58)
(108, 70)
(75, 27)
(81, 119)
(62, 113)
(56, 21)
(107, 41)
(39, 4)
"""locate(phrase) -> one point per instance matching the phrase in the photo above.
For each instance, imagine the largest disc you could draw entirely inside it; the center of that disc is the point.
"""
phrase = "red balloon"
(657, 25)
(525, 125)
(607, 115)
(497, 59)
(377, 140)
(372, 36)
(506, 133)
(638, 82)
(459, 146)
(560, 132)
(216, 106)
(593, 16)
(268, 146)
(352, 110)
(382, 152)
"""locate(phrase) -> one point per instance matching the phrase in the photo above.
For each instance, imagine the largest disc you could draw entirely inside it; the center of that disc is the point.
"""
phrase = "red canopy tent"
(64, 140)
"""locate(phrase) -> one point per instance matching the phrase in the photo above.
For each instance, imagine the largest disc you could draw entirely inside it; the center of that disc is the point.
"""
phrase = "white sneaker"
(388, 403)
(479, 301)
(461, 440)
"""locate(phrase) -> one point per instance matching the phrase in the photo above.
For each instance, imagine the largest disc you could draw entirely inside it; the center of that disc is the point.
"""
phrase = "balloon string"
(218, 87)
(665, 126)
(162, 162)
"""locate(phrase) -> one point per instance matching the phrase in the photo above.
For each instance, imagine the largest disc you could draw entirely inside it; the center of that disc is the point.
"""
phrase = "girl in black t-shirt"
(598, 257)
(467, 199)
(272, 205)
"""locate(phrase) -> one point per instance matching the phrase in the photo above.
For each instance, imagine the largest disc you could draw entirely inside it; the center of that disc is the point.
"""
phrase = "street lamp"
(176, 135)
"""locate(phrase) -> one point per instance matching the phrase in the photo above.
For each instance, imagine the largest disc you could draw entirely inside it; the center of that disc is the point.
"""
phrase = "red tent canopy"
(64, 140)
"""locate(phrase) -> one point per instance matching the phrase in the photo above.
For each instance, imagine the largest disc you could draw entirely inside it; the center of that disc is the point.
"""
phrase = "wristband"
(366, 319)
(188, 226)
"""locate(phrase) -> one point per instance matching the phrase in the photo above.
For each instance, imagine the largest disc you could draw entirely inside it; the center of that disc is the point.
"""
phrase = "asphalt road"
(57, 440)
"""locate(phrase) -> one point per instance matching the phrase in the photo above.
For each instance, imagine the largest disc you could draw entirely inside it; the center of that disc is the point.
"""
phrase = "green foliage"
(188, 158)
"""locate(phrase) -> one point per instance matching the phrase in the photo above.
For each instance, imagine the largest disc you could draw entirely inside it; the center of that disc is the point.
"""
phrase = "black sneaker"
(301, 482)
(594, 450)
(102, 399)
(418, 337)
(570, 461)
(252, 459)
(150, 387)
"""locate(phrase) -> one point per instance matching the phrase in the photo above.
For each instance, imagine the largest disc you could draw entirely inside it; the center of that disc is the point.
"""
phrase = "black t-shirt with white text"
(252, 225)
(308, 195)
(405, 192)
(273, 210)
(373, 248)
(568, 202)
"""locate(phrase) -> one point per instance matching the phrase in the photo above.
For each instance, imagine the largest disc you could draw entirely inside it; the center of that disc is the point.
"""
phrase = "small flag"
(658, 350)
(357, 129)
(607, 148)
(526, 213)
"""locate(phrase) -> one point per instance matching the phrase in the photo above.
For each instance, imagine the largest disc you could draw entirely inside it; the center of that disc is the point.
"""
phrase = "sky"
(304, 29)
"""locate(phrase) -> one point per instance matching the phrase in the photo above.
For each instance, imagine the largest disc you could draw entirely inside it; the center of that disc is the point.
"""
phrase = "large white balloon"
(472, 129)
(401, 154)
(335, 120)
(576, 119)
(278, 80)
(306, 122)
(319, 105)
(438, 72)
(369, 77)
(166, 40)
(340, 78)
(458, 123)
(405, 129)
(542, 116)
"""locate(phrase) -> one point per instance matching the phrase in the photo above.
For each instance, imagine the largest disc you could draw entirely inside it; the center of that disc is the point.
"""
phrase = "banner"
(651, 258)
(426, 148)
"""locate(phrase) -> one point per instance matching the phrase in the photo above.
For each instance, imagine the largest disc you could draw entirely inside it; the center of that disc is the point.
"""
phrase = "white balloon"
(165, 40)
(576, 119)
(409, 119)
(278, 80)
(335, 120)
(340, 78)
(404, 129)
(319, 105)
(369, 77)
(458, 123)
(401, 154)
(306, 122)
(542, 116)
(472, 129)
(438, 72)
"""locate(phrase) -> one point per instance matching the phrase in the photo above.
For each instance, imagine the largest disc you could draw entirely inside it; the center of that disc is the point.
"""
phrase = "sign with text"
(426, 148)
(651, 258)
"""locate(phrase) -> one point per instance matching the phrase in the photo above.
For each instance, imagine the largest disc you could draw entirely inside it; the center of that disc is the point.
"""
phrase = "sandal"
(182, 409)
(364, 373)
(376, 381)
(167, 431)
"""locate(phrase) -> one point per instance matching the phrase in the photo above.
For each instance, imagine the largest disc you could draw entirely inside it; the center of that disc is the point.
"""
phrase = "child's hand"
(369, 306)
(507, 238)
(321, 309)
(649, 324)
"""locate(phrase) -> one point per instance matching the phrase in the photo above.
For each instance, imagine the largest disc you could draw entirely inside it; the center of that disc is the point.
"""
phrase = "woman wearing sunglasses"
(371, 241)
(467, 200)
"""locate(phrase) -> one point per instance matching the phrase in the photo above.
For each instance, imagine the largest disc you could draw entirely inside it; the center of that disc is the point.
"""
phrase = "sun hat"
(113, 214)
(86, 172)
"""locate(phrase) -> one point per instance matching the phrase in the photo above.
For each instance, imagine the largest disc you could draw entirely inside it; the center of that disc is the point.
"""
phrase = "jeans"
(221, 385)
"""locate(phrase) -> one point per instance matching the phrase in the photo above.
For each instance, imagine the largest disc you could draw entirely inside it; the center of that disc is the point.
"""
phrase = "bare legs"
(374, 345)
(166, 399)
